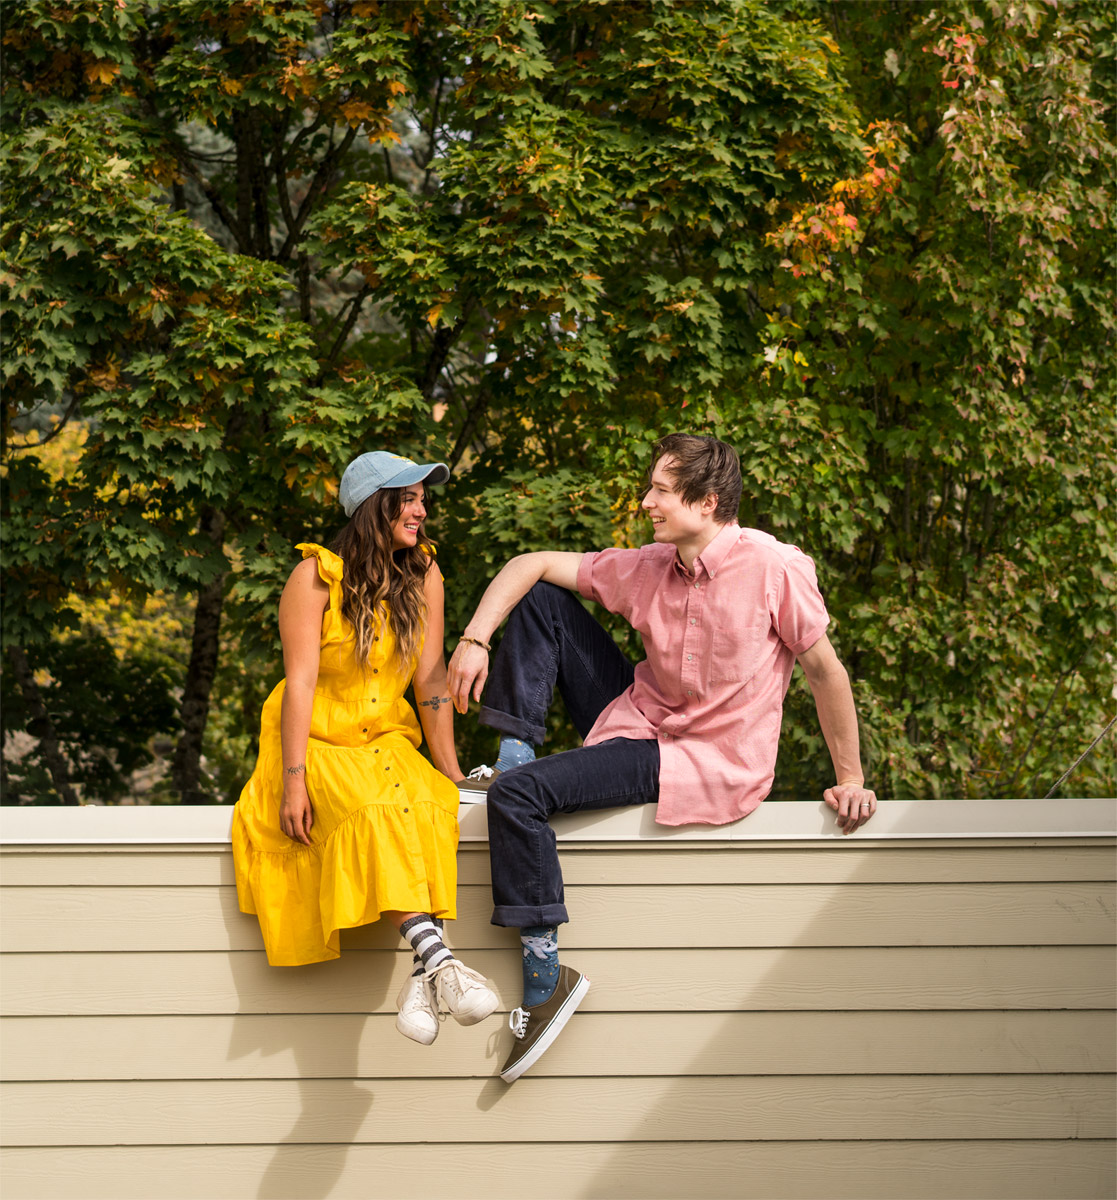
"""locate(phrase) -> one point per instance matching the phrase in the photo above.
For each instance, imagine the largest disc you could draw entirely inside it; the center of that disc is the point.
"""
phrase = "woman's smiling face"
(413, 511)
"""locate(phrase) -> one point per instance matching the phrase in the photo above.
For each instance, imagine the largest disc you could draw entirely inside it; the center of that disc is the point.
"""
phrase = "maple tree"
(869, 245)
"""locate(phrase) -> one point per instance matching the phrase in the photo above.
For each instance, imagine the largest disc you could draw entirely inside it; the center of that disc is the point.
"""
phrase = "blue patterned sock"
(541, 963)
(513, 753)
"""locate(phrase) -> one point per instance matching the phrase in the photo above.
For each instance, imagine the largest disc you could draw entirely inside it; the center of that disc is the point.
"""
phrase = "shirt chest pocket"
(737, 654)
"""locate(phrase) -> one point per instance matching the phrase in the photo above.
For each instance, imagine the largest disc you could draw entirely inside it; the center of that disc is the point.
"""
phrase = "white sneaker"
(418, 1012)
(462, 992)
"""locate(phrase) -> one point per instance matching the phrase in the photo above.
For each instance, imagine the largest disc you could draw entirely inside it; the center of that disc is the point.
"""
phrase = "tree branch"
(53, 433)
(210, 192)
(313, 194)
(444, 340)
(468, 426)
(432, 136)
(346, 329)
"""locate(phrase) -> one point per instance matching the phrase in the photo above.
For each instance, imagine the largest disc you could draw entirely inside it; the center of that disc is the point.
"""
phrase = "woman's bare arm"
(301, 606)
(432, 693)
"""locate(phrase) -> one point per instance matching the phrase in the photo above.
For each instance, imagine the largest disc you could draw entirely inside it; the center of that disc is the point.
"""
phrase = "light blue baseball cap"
(379, 469)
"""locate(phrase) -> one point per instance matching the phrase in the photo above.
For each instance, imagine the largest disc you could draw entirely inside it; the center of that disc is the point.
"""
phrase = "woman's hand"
(296, 814)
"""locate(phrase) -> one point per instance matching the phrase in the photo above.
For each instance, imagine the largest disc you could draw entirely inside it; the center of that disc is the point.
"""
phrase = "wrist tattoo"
(296, 770)
(434, 702)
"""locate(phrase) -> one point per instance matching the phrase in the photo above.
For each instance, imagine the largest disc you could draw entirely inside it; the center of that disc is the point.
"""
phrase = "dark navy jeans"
(552, 640)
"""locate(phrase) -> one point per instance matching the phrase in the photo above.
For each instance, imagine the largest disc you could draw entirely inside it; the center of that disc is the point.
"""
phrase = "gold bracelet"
(475, 642)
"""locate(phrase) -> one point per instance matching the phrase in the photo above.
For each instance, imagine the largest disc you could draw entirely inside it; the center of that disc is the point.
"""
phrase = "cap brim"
(432, 473)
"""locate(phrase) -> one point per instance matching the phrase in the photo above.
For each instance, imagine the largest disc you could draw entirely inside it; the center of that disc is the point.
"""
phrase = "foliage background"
(869, 244)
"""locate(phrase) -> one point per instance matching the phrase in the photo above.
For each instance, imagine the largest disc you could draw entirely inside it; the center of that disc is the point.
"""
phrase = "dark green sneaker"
(536, 1029)
(480, 779)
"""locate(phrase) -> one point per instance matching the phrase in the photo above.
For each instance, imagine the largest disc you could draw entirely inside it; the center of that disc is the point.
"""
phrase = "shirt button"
(406, 809)
(692, 621)
(696, 585)
(690, 658)
(376, 670)
(689, 693)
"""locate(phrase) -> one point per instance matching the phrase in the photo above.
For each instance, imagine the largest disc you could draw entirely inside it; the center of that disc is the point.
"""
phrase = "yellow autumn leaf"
(357, 111)
(433, 314)
(102, 72)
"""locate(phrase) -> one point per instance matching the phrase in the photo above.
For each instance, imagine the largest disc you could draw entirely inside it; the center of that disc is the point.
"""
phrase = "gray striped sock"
(425, 937)
(417, 967)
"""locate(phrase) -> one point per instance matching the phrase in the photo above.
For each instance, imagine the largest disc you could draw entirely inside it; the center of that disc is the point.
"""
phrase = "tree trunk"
(43, 727)
(186, 769)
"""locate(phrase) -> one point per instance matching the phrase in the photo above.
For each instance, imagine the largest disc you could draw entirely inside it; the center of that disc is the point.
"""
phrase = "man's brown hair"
(701, 465)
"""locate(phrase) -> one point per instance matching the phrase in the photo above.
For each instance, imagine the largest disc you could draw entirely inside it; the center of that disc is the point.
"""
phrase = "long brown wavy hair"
(381, 584)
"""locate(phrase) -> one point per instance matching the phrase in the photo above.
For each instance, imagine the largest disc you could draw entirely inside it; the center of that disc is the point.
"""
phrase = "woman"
(343, 821)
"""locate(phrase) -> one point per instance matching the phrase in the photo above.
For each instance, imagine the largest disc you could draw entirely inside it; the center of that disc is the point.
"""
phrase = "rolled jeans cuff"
(517, 916)
(505, 723)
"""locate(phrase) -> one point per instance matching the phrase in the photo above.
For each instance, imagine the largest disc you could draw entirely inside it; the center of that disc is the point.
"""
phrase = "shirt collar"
(715, 553)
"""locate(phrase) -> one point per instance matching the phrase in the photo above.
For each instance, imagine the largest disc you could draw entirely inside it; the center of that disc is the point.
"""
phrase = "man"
(724, 613)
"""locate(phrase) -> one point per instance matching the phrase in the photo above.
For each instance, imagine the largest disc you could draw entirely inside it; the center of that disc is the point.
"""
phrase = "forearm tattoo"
(296, 770)
(434, 702)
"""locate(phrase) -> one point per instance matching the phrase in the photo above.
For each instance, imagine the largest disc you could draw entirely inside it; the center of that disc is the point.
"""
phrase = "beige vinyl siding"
(790, 1015)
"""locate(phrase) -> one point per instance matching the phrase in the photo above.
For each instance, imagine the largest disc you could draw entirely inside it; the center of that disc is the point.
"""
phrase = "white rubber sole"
(547, 1037)
(478, 1011)
(416, 1034)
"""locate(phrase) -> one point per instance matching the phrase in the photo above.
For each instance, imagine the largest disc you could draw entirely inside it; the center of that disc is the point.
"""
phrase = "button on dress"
(385, 830)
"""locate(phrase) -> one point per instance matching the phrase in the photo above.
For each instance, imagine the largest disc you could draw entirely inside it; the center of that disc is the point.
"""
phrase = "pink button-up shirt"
(721, 645)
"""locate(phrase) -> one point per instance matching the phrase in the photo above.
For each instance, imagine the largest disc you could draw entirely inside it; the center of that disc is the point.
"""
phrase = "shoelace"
(463, 979)
(479, 773)
(517, 1022)
(420, 999)
(437, 989)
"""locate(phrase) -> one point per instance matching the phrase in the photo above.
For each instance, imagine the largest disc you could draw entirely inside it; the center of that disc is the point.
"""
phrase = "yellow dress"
(385, 831)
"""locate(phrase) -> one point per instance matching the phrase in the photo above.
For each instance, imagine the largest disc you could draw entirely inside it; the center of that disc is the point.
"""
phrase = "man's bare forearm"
(513, 582)
(837, 716)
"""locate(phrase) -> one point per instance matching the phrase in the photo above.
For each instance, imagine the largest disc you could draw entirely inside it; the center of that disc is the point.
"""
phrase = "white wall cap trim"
(776, 821)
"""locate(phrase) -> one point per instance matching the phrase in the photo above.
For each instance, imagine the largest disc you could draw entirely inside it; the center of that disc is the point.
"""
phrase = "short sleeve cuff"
(807, 641)
(585, 574)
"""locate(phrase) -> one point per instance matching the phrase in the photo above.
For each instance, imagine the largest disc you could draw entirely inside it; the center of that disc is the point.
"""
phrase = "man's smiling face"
(674, 522)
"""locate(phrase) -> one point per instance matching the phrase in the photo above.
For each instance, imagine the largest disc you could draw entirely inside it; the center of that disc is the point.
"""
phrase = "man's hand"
(853, 803)
(468, 670)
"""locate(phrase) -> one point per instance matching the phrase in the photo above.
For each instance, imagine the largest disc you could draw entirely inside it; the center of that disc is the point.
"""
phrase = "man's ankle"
(541, 963)
(514, 752)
